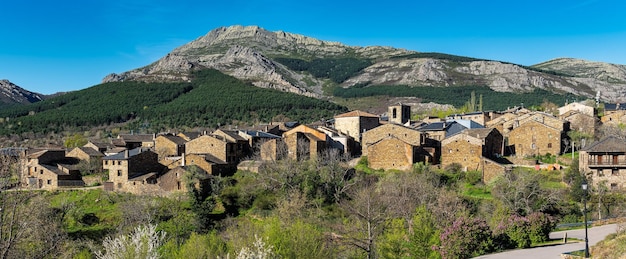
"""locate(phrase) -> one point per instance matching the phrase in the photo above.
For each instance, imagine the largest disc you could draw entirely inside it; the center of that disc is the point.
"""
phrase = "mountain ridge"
(11, 93)
(249, 53)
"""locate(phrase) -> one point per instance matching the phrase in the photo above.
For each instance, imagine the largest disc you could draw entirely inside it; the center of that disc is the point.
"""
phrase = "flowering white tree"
(259, 251)
(143, 242)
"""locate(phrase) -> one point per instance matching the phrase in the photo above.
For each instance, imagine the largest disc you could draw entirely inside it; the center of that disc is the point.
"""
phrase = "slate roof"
(356, 113)
(478, 133)
(259, 134)
(614, 106)
(136, 137)
(122, 155)
(91, 152)
(609, 145)
(176, 139)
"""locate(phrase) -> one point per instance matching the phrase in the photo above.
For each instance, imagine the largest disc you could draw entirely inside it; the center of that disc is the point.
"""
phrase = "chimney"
(182, 162)
(126, 153)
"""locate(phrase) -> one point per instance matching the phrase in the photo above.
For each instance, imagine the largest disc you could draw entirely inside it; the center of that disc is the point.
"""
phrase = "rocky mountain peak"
(11, 93)
(249, 53)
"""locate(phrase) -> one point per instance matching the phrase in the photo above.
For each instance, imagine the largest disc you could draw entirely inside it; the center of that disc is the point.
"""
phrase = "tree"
(520, 191)
(13, 212)
(76, 140)
(367, 215)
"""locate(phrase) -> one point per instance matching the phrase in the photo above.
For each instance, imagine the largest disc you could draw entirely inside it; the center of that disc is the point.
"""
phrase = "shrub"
(517, 229)
(467, 237)
(540, 226)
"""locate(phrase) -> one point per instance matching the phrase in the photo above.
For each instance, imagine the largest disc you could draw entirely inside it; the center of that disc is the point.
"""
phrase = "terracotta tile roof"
(356, 113)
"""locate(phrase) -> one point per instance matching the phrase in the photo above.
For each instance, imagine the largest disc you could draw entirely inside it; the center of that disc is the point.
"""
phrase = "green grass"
(477, 191)
(92, 213)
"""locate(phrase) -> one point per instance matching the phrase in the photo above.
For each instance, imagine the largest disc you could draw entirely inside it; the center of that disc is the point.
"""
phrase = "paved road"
(596, 234)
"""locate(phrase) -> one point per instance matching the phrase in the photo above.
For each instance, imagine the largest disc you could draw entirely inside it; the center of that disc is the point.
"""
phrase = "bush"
(467, 237)
(541, 225)
(517, 231)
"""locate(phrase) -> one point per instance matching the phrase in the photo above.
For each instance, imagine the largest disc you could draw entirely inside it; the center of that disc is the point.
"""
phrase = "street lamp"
(584, 186)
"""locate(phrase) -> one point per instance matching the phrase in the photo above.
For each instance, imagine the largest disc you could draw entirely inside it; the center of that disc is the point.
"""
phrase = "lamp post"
(584, 186)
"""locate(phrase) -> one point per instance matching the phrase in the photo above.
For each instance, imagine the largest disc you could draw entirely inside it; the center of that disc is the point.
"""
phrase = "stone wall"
(390, 153)
(207, 145)
(534, 138)
(462, 149)
(405, 134)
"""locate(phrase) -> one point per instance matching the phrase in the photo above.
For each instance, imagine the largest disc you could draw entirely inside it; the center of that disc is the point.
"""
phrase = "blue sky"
(52, 46)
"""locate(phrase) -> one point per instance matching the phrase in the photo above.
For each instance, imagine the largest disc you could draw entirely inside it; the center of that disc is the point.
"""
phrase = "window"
(41, 171)
(106, 162)
(615, 171)
(49, 182)
(549, 145)
(119, 162)
(600, 173)
(394, 113)
(119, 172)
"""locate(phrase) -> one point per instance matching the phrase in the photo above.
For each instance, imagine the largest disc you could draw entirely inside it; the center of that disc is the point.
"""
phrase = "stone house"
(544, 118)
(174, 180)
(100, 146)
(273, 150)
(50, 169)
(208, 163)
(256, 138)
(391, 152)
(91, 159)
(169, 145)
(304, 145)
(503, 123)
(480, 117)
(85, 153)
(535, 138)
(188, 136)
(354, 123)
(132, 141)
(130, 170)
(217, 146)
(605, 163)
(578, 107)
(474, 149)
(343, 143)
(406, 134)
(399, 114)
(614, 114)
(581, 122)
(304, 142)
(242, 148)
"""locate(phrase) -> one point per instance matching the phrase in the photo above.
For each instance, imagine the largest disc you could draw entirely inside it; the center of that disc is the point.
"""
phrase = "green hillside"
(211, 98)
(457, 95)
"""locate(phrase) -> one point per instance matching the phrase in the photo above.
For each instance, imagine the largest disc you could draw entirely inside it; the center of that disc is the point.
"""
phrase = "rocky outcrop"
(586, 69)
(246, 53)
(11, 93)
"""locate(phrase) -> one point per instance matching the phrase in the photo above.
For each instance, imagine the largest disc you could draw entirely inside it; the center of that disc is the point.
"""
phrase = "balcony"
(607, 164)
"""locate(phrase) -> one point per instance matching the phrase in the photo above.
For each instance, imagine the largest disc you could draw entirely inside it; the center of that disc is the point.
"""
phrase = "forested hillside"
(458, 95)
(210, 99)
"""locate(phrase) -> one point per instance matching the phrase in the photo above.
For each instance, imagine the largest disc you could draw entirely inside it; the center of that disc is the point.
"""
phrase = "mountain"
(13, 94)
(308, 66)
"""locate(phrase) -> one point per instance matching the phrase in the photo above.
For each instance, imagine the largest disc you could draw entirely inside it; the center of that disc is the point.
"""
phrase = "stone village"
(489, 142)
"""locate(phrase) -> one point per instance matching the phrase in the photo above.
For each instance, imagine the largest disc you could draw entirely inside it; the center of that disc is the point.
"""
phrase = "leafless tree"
(367, 214)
